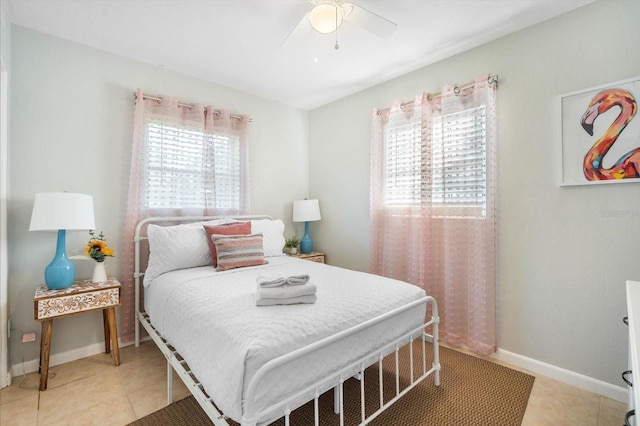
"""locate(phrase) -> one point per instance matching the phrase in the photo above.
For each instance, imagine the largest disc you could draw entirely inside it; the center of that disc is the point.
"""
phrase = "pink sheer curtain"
(169, 111)
(451, 256)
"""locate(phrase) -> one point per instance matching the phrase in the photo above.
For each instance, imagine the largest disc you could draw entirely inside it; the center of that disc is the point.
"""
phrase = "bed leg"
(436, 345)
(169, 383)
(336, 399)
(436, 361)
(137, 331)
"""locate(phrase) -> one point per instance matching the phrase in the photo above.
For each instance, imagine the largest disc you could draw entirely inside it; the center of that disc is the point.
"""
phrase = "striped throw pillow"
(236, 228)
(238, 251)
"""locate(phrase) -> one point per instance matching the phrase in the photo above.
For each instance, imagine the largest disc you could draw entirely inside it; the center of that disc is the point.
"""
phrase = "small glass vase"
(99, 273)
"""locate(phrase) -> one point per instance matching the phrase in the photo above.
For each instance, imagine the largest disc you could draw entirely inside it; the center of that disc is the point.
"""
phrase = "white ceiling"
(239, 43)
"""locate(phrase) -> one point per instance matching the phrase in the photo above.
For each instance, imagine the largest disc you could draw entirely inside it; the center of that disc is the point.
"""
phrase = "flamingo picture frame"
(601, 134)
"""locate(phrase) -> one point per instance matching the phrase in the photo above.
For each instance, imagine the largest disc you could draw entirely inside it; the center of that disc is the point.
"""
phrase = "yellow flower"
(97, 247)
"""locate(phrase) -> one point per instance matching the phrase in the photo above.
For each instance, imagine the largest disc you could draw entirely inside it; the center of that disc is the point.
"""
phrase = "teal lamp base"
(306, 243)
(61, 272)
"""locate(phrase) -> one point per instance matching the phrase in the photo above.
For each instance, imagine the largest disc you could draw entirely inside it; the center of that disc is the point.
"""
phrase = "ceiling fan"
(327, 16)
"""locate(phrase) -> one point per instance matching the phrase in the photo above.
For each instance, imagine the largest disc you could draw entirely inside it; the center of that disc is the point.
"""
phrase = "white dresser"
(633, 312)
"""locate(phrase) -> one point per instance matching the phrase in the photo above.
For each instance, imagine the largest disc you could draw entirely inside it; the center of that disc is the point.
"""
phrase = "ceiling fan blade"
(375, 24)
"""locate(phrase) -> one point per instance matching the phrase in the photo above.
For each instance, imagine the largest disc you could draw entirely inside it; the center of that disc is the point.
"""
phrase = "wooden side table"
(314, 256)
(81, 297)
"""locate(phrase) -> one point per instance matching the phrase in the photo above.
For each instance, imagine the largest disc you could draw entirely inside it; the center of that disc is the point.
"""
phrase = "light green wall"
(5, 35)
(72, 117)
(562, 261)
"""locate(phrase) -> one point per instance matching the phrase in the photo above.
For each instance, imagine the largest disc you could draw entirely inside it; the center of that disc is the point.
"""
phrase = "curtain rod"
(183, 105)
(491, 80)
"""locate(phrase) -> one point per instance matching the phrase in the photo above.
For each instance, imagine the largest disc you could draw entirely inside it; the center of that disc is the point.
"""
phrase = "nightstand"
(314, 256)
(81, 297)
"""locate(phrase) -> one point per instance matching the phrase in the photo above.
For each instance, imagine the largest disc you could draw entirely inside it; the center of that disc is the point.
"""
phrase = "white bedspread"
(212, 320)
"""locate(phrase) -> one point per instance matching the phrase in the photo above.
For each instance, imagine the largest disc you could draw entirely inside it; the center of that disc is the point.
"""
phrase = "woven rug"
(472, 392)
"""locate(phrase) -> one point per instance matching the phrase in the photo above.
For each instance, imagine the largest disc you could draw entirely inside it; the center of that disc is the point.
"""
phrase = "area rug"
(472, 392)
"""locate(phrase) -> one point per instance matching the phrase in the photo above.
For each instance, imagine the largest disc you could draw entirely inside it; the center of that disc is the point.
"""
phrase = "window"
(187, 168)
(405, 161)
(433, 202)
(451, 176)
(460, 160)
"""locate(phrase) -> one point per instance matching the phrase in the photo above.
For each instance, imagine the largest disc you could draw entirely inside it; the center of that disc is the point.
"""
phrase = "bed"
(255, 364)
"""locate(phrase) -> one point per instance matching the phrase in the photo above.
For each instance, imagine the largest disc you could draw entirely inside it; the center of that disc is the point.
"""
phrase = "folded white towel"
(286, 291)
(279, 280)
(289, 301)
(297, 279)
(271, 280)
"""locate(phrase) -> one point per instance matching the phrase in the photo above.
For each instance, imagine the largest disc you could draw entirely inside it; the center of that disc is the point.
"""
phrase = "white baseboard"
(569, 377)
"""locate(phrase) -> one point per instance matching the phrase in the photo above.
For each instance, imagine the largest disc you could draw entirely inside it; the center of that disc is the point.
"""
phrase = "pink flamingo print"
(628, 166)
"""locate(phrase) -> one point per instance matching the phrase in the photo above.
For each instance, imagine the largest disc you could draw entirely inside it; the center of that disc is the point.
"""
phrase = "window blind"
(187, 168)
(450, 176)
(460, 160)
(405, 165)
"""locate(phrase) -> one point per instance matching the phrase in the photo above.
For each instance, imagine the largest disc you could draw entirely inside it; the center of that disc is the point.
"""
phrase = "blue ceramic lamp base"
(306, 243)
(61, 272)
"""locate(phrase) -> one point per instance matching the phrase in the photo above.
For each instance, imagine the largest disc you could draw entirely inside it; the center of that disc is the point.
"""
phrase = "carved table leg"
(113, 334)
(107, 337)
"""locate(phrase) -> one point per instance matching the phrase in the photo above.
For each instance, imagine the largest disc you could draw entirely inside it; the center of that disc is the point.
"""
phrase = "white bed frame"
(283, 407)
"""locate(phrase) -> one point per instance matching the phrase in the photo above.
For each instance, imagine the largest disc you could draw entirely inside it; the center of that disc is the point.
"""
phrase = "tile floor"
(91, 391)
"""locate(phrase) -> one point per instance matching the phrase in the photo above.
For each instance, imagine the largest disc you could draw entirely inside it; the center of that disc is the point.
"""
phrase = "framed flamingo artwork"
(601, 134)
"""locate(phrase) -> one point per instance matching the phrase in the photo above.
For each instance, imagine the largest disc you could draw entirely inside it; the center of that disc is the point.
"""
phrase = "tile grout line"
(126, 392)
(599, 412)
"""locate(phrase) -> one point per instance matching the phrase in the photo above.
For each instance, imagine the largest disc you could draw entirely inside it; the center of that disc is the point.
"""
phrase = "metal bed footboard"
(250, 415)
(284, 408)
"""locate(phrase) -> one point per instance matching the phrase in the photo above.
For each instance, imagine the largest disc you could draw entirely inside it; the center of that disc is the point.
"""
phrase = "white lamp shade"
(53, 211)
(306, 210)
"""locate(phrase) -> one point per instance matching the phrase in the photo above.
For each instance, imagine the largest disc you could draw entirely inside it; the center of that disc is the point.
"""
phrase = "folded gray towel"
(271, 280)
(297, 279)
(278, 280)
(289, 301)
(286, 291)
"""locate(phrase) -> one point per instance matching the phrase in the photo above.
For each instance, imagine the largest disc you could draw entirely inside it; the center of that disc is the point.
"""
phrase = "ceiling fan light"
(325, 18)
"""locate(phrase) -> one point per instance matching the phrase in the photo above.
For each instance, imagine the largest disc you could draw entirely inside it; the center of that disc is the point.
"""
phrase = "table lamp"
(61, 212)
(306, 211)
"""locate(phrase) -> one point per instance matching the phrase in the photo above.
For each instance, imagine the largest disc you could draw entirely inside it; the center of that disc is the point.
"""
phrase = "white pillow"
(176, 247)
(272, 235)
